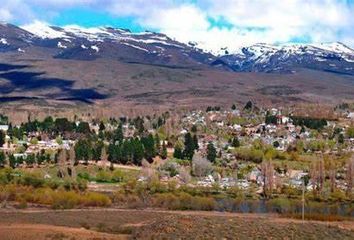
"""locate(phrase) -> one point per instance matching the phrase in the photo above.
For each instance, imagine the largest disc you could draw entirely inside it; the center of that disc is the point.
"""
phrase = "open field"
(156, 224)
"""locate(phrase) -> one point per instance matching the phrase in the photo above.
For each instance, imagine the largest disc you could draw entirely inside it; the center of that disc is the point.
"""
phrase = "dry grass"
(153, 224)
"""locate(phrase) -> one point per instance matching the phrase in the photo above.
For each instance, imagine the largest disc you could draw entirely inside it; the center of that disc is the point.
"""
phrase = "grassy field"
(154, 224)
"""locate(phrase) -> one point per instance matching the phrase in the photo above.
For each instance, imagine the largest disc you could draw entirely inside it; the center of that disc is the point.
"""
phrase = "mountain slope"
(43, 65)
(332, 57)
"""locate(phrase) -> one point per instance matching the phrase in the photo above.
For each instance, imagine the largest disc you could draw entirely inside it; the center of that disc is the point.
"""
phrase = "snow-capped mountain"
(77, 43)
(334, 57)
(74, 42)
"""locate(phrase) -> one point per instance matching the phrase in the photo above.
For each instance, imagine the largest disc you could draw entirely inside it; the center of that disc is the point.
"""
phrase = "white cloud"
(253, 20)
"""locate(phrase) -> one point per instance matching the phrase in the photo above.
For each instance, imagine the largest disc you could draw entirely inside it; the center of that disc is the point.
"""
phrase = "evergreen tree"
(189, 146)
(118, 134)
(83, 128)
(248, 106)
(195, 142)
(83, 150)
(178, 152)
(138, 153)
(102, 127)
(30, 160)
(2, 138)
(340, 138)
(2, 159)
(164, 151)
(233, 107)
(157, 142)
(12, 161)
(149, 146)
(235, 142)
(211, 152)
(194, 129)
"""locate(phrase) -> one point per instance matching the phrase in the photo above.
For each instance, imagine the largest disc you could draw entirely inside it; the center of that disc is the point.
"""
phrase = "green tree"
(195, 142)
(164, 151)
(30, 160)
(178, 152)
(63, 125)
(188, 146)
(235, 142)
(211, 152)
(248, 106)
(233, 107)
(350, 132)
(149, 146)
(340, 138)
(102, 127)
(47, 124)
(2, 159)
(138, 151)
(2, 138)
(118, 134)
(83, 128)
(83, 150)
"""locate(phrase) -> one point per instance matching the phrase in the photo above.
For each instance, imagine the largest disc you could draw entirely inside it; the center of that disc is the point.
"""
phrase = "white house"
(4, 128)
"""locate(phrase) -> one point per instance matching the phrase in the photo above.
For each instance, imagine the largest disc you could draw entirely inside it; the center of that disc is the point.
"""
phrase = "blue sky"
(213, 23)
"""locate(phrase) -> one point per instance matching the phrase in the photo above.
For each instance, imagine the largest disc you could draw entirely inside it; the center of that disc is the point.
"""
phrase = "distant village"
(244, 146)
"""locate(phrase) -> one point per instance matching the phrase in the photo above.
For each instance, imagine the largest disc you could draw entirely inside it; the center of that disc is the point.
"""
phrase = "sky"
(212, 23)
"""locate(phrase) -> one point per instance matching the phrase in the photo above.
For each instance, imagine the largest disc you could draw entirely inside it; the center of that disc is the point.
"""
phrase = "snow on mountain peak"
(43, 30)
(3, 41)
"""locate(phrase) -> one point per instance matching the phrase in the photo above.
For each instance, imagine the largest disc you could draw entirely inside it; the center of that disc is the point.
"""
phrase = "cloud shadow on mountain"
(23, 81)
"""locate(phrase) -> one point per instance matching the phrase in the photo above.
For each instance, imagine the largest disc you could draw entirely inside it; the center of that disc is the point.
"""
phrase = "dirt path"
(48, 232)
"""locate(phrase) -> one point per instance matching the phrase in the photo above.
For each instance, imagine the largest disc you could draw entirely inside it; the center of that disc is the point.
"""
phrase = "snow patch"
(60, 45)
(134, 46)
(95, 48)
(83, 46)
(43, 30)
(20, 50)
(4, 41)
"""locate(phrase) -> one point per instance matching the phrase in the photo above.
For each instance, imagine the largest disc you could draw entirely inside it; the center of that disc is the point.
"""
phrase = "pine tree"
(235, 142)
(2, 159)
(149, 146)
(118, 134)
(188, 146)
(157, 142)
(2, 138)
(211, 152)
(178, 152)
(102, 127)
(195, 142)
(164, 151)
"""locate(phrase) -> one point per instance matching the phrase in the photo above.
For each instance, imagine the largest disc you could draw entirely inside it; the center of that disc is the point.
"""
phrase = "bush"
(103, 176)
(250, 154)
(92, 199)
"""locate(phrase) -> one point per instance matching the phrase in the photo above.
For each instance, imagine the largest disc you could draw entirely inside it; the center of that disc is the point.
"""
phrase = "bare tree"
(72, 160)
(350, 176)
(267, 170)
(104, 158)
(62, 163)
(317, 174)
(184, 175)
(331, 171)
(201, 166)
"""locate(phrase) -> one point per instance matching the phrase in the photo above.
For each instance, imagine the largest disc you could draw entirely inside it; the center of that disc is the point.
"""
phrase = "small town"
(252, 152)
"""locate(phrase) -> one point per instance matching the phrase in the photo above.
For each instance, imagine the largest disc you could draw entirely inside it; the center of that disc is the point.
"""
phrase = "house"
(4, 128)
(350, 115)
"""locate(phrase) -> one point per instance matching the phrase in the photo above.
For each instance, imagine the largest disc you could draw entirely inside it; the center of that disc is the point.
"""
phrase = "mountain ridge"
(75, 42)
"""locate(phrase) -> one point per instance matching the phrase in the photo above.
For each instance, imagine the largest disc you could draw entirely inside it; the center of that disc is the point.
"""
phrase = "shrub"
(103, 176)
(92, 199)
